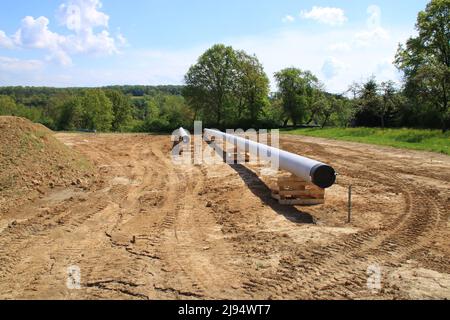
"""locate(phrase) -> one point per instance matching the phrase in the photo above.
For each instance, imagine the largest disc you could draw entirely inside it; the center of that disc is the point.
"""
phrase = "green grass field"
(427, 140)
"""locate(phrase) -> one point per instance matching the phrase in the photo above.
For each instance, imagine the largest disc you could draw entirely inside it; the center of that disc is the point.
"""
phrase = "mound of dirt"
(33, 161)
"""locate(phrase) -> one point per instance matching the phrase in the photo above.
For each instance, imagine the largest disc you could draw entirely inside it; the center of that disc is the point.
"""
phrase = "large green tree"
(252, 89)
(211, 81)
(71, 117)
(297, 90)
(121, 107)
(226, 86)
(389, 101)
(425, 59)
(97, 110)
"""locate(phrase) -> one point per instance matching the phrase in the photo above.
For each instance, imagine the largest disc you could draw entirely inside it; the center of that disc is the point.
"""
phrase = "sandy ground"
(147, 229)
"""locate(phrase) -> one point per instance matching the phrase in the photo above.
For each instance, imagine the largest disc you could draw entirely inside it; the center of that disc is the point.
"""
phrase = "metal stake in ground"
(349, 220)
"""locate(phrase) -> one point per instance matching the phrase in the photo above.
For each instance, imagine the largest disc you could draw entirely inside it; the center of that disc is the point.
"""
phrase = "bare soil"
(32, 161)
(143, 228)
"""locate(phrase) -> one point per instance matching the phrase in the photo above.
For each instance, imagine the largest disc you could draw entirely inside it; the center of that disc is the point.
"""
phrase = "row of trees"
(105, 109)
(303, 100)
(228, 88)
(92, 109)
(377, 104)
(98, 109)
(299, 100)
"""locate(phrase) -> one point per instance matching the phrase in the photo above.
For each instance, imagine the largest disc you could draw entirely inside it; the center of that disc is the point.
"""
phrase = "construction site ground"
(141, 227)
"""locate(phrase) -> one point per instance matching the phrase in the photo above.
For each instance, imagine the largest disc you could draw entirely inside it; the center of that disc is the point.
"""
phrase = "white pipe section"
(307, 169)
(184, 135)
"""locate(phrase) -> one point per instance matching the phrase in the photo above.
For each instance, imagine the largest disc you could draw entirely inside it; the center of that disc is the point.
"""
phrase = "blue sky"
(101, 42)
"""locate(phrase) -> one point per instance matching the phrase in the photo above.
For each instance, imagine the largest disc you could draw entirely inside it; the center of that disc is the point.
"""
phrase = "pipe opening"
(186, 139)
(323, 176)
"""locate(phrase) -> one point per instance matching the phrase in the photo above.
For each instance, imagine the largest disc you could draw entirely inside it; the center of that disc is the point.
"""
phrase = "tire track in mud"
(38, 233)
(140, 232)
(68, 217)
(397, 245)
(181, 277)
(163, 202)
(160, 199)
(134, 202)
(195, 280)
(176, 279)
(344, 264)
(19, 236)
(189, 271)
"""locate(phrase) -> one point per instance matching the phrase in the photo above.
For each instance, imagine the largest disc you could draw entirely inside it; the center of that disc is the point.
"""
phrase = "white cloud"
(123, 42)
(89, 42)
(288, 18)
(374, 31)
(276, 51)
(332, 67)
(308, 51)
(34, 33)
(60, 56)
(340, 47)
(16, 65)
(385, 70)
(334, 55)
(5, 41)
(369, 37)
(374, 20)
(82, 17)
(326, 15)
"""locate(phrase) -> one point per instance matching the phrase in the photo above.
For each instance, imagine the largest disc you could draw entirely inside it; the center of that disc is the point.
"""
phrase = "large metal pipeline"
(184, 135)
(320, 174)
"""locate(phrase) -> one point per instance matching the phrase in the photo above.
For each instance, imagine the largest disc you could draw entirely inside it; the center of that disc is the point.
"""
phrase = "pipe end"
(323, 176)
(186, 139)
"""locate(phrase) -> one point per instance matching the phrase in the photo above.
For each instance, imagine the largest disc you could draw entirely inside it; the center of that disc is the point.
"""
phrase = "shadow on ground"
(262, 191)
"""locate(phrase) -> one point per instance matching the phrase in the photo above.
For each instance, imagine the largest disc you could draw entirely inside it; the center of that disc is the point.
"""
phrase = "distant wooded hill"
(133, 90)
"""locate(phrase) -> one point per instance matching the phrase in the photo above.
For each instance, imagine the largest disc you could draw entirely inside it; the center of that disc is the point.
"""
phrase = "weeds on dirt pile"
(417, 139)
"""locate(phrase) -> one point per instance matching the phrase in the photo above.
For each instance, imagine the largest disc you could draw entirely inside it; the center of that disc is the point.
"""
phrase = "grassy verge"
(427, 140)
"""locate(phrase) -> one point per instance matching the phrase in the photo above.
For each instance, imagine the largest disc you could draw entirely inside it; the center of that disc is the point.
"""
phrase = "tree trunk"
(326, 121)
(312, 118)
(445, 110)
(285, 123)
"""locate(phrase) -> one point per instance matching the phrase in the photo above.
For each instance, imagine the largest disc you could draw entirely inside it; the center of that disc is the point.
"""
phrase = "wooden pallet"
(293, 191)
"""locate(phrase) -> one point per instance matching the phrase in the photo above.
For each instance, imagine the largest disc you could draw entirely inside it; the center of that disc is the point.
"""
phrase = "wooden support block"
(291, 186)
(293, 191)
(292, 180)
(300, 193)
(298, 201)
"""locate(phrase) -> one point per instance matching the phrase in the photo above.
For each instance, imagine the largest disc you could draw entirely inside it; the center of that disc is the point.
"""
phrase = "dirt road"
(146, 229)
